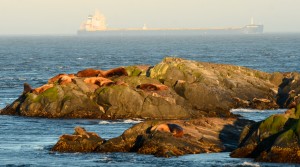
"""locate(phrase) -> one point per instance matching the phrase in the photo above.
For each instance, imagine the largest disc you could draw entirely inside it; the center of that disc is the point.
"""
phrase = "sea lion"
(89, 73)
(120, 71)
(152, 87)
(58, 77)
(175, 129)
(100, 81)
(65, 79)
(27, 88)
(42, 88)
(81, 132)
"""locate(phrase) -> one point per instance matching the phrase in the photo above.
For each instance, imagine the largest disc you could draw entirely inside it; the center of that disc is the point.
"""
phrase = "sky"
(65, 16)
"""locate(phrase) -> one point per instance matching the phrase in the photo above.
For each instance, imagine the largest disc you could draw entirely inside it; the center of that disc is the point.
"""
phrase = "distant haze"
(65, 16)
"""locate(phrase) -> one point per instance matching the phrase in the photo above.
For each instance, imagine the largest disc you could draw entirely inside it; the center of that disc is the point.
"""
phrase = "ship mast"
(252, 21)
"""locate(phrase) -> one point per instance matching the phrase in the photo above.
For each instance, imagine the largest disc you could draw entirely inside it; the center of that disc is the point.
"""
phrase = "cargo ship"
(96, 25)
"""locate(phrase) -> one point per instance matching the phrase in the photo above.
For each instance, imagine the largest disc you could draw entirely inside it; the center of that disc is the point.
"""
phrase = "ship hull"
(159, 32)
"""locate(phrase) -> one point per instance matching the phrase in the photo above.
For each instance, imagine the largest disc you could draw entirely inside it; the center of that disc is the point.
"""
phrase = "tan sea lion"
(65, 79)
(152, 87)
(81, 132)
(89, 73)
(100, 81)
(175, 129)
(58, 77)
(42, 88)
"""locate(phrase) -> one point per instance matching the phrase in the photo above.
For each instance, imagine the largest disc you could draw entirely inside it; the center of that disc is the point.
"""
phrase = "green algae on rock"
(276, 139)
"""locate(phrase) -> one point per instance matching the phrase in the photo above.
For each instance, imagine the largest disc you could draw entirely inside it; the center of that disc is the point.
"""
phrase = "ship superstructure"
(96, 25)
(96, 22)
(253, 28)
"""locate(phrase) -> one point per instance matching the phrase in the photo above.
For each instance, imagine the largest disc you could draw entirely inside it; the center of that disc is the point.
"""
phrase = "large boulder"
(202, 135)
(275, 139)
(217, 87)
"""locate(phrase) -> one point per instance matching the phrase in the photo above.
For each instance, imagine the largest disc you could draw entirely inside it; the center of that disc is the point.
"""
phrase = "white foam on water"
(250, 164)
(125, 121)
(255, 110)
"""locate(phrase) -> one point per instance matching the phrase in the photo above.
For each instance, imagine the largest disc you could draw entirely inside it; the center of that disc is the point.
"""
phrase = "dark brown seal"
(152, 87)
(120, 71)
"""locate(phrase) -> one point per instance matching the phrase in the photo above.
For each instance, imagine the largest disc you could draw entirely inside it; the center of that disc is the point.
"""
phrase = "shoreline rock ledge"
(173, 89)
(158, 138)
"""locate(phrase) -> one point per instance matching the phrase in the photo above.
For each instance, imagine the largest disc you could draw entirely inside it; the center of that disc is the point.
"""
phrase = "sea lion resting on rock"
(120, 71)
(61, 78)
(175, 129)
(42, 88)
(89, 72)
(100, 73)
(27, 88)
(79, 133)
(152, 87)
(100, 81)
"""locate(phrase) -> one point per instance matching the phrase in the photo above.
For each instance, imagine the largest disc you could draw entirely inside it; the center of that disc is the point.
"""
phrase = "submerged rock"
(203, 135)
(173, 89)
(275, 139)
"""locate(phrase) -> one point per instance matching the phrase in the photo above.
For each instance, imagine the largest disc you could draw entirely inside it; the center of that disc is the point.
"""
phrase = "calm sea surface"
(26, 141)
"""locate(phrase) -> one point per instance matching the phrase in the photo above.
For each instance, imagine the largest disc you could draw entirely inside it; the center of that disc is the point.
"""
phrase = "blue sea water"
(34, 59)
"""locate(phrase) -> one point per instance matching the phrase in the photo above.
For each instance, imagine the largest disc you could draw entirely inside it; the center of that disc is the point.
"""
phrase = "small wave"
(104, 122)
(126, 121)
(79, 58)
(250, 164)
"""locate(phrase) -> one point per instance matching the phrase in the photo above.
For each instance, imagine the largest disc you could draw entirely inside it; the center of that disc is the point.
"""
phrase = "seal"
(152, 87)
(89, 72)
(175, 129)
(100, 81)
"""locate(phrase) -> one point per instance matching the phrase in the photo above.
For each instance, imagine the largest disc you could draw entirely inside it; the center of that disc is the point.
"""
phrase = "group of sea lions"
(91, 76)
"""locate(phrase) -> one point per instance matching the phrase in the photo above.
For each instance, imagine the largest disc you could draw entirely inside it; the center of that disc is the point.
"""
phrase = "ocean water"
(34, 59)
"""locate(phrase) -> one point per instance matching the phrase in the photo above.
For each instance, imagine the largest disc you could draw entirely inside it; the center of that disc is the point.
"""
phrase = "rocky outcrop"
(203, 135)
(216, 88)
(173, 89)
(276, 139)
(80, 141)
(288, 90)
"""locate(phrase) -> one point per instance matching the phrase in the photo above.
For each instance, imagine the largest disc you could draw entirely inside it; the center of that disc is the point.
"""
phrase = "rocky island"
(185, 104)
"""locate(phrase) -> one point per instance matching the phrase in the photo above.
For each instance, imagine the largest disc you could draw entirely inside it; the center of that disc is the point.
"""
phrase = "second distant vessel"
(96, 25)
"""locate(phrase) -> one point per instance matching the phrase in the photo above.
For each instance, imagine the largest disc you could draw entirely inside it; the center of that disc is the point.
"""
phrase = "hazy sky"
(65, 16)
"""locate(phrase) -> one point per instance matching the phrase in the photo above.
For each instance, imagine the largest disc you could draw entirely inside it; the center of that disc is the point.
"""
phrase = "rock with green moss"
(216, 88)
(60, 101)
(276, 139)
(173, 89)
